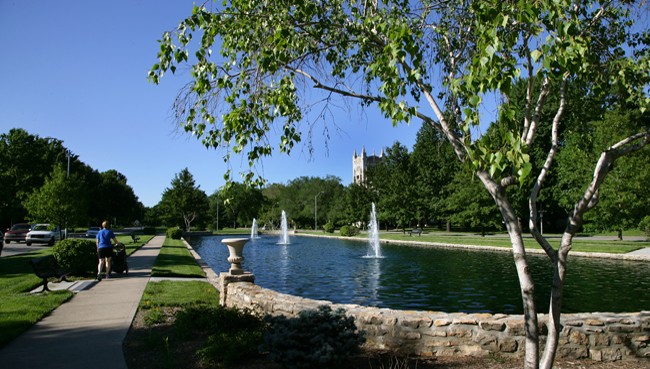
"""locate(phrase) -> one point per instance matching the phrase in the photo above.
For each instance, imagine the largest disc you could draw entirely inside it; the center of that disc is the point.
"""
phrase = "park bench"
(418, 231)
(46, 267)
(135, 238)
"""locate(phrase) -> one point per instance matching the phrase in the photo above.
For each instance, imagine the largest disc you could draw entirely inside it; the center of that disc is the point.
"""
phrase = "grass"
(131, 246)
(20, 309)
(156, 344)
(175, 260)
(501, 240)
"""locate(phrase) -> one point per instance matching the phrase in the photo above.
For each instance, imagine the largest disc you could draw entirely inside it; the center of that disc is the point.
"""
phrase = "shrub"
(644, 226)
(149, 231)
(349, 231)
(329, 227)
(315, 339)
(76, 254)
(234, 334)
(174, 233)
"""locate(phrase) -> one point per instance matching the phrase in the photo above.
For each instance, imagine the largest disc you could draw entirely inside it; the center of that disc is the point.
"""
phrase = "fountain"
(284, 236)
(254, 229)
(374, 247)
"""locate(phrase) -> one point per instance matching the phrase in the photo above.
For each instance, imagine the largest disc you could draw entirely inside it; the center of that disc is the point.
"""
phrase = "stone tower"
(361, 163)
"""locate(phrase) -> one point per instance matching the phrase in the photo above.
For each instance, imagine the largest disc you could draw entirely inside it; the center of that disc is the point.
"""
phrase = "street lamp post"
(68, 154)
(316, 211)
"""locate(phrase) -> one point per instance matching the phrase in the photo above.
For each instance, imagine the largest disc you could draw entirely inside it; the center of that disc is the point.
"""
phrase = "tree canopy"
(28, 162)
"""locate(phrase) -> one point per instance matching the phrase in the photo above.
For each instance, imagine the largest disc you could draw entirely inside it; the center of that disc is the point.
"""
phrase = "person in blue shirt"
(105, 249)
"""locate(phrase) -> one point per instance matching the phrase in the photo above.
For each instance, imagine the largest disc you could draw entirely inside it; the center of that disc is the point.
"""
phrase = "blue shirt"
(105, 236)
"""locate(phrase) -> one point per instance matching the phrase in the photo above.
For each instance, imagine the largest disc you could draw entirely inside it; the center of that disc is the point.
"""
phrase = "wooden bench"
(46, 267)
(415, 230)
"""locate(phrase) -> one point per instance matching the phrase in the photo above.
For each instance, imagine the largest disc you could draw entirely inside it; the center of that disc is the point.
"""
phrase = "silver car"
(43, 233)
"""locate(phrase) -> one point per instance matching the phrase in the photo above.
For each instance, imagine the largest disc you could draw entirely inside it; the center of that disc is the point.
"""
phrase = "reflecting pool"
(428, 278)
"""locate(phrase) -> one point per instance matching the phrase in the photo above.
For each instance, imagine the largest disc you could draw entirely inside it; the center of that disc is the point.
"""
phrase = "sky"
(76, 70)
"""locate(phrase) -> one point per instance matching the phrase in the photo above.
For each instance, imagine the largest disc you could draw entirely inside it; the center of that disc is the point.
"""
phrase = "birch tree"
(448, 64)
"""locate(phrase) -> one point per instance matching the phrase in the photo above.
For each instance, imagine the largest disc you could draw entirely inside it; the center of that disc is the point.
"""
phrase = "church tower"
(361, 163)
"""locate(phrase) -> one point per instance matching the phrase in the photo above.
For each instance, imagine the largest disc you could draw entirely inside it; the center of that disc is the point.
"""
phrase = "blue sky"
(77, 71)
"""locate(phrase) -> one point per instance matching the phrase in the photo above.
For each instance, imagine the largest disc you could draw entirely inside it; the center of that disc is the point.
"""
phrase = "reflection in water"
(423, 278)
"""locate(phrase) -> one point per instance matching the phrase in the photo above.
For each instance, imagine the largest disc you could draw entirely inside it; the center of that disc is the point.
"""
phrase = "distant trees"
(184, 202)
(62, 200)
(29, 162)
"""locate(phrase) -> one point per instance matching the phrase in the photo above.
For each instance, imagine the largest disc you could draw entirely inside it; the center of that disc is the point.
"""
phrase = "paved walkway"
(87, 331)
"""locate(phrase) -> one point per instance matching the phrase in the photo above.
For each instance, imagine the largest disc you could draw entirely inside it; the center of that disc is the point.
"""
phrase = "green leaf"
(535, 54)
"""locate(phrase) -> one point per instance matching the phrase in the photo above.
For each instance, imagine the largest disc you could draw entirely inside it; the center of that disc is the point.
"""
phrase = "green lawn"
(501, 240)
(20, 309)
(175, 260)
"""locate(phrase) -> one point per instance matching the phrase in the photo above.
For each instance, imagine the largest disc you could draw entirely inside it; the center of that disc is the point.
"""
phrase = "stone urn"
(236, 248)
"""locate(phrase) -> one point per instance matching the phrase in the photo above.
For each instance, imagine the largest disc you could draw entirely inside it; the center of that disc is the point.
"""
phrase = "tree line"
(422, 188)
(43, 181)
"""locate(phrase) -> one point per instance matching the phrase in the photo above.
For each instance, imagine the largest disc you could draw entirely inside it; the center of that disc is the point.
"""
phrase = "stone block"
(641, 339)
(410, 336)
(492, 325)
(441, 322)
(472, 350)
(370, 319)
(438, 332)
(467, 320)
(573, 352)
(573, 323)
(456, 331)
(508, 345)
(616, 328)
(578, 338)
(594, 322)
(443, 343)
(611, 354)
(515, 328)
(619, 340)
(486, 341)
(416, 322)
(599, 340)
(446, 352)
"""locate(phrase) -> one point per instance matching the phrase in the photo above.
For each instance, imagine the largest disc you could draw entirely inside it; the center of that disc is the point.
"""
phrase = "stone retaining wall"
(598, 336)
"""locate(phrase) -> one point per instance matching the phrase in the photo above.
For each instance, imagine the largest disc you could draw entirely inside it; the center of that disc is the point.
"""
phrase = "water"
(419, 278)
(374, 246)
(284, 235)
(254, 229)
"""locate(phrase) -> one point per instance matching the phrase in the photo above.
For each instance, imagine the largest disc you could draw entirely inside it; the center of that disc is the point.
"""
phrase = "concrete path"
(640, 252)
(87, 331)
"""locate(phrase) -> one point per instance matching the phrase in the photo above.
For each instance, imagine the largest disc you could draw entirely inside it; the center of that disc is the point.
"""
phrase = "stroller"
(118, 261)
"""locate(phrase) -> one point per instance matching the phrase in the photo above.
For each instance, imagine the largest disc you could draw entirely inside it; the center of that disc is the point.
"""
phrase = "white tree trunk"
(526, 284)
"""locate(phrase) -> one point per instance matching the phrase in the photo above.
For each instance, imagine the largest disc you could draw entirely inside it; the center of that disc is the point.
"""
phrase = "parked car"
(92, 232)
(43, 233)
(17, 232)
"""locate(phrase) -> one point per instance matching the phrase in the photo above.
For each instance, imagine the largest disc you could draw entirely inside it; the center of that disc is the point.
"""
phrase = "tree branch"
(532, 199)
(603, 166)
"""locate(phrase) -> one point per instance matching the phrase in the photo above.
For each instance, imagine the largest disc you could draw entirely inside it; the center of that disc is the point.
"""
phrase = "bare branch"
(529, 132)
(532, 199)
